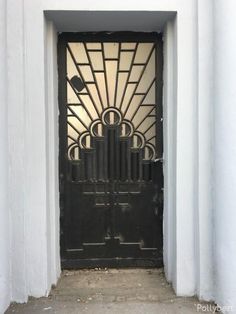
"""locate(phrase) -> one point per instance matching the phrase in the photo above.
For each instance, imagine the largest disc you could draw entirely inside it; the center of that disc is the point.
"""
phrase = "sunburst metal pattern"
(111, 84)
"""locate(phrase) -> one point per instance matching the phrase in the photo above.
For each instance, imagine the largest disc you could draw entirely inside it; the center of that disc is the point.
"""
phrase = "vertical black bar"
(123, 159)
(99, 159)
(159, 88)
(111, 207)
(74, 176)
(117, 152)
(87, 157)
(147, 169)
(111, 139)
(135, 165)
(128, 156)
(113, 164)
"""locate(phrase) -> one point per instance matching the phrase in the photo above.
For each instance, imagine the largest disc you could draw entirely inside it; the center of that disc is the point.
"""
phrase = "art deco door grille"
(110, 149)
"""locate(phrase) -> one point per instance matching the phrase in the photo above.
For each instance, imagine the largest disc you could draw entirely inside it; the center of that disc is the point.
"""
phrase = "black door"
(111, 180)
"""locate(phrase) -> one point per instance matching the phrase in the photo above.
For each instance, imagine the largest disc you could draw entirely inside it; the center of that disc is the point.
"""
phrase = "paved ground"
(112, 291)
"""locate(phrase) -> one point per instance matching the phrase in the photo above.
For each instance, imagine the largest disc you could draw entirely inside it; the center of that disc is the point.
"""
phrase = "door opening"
(110, 125)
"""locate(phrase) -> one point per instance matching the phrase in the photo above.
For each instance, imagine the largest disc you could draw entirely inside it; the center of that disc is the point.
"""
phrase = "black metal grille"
(114, 86)
(110, 137)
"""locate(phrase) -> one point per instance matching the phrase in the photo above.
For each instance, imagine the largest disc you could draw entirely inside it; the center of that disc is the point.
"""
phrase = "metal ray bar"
(90, 82)
(117, 74)
(80, 63)
(147, 105)
(93, 50)
(145, 117)
(142, 99)
(75, 115)
(78, 96)
(93, 73)
(81, 75)
(74, 140)
(140, 63)
(131, 64)
(143, 70)
(149, 127)
(123, 71)
(74, 104)
(73, 127)
(105, 73)
(151, 138)
(129, 50)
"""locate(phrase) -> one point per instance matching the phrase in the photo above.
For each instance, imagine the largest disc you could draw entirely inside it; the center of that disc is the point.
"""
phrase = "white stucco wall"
(203, 200)
(225, 153)
(5, 294)
(199, 90)
(16, 147)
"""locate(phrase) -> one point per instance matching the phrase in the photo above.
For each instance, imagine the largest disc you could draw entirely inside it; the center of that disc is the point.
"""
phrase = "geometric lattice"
(111, 83)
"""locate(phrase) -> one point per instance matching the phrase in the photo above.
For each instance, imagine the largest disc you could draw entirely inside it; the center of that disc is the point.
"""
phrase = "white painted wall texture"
(199, 141)
(5, 295)
(224, 155)
(16, 147)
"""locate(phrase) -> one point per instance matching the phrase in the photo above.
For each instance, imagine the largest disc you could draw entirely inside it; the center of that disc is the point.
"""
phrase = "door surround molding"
(187, 258)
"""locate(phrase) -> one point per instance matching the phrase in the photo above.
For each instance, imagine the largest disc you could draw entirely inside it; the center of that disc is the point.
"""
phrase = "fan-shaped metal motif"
(111, 84)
